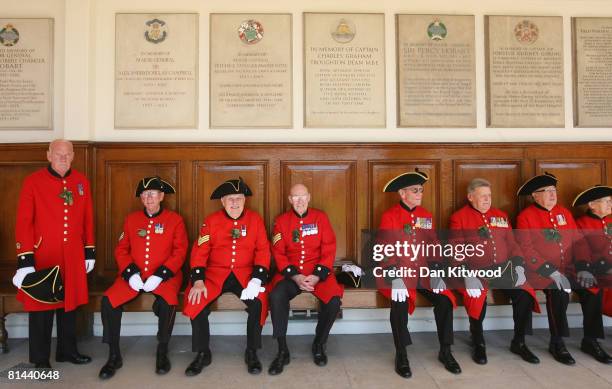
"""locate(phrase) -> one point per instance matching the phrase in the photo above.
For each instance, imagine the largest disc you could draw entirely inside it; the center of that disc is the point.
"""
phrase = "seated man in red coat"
(593, 276)
(548, 236)
(304, 248)
(55, 227)
(477, 223)
(410, 223)
(150, 254)
(232, 254)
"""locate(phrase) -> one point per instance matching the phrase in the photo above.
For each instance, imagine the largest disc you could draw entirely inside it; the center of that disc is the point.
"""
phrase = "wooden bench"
(365, 298)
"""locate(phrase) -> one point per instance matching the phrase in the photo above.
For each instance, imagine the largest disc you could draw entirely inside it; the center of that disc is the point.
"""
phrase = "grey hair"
(477, 183)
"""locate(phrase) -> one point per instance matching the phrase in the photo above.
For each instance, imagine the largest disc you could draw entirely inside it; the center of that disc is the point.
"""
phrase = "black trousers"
(40, 325)
(556, 308)
(592, 321)
(522, 305)
(443, 313)
(279, 299)
(111, 322)
(200, 327)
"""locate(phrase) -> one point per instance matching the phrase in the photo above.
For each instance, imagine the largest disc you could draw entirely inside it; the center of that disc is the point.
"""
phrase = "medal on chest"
(424, 223)
(81, 189)
(561, 220)
(159, 228)
(310, 229)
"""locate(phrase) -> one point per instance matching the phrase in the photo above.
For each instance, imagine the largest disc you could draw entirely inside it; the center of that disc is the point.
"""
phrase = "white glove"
(89, 265)
(20, 275)
(473, 287)
(151, 283)
(586, 279)
(520, 275)
(356, 270)
(252, 289)
(561, 281)
(437, 284)
(136, 282)
(398, 290)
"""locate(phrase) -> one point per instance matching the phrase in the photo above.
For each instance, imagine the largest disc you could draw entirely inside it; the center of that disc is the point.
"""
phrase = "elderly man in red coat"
(304, 248)
(593, 277)
(55, 227)
(232, 254)
(550, 241)
(478, 223)
(150, 254)
(408, 222)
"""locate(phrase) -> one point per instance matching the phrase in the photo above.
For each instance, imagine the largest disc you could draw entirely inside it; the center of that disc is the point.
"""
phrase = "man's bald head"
(60, 155)
(299, 197)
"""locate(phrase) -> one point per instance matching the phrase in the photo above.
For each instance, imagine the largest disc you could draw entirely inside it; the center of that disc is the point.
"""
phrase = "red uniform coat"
(307, 245)
(155, 245)
(597, 233)
(550, 241)
(227, 246)
(414, 226)
(493, 231)
(50, 231)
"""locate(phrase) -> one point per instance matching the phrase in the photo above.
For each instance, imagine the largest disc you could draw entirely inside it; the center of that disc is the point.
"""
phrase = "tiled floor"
(355, 361)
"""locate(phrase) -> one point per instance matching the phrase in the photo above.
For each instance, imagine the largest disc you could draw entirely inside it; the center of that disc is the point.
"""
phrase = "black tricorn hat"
(595, 193)
(150, 183)
(44, 285)
(406, 179)
(231, 187)
(537, 182)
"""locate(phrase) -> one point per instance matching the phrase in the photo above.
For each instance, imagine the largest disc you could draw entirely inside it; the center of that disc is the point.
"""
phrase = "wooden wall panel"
(574, 176)
(332, 186)
(122, 179)
(346, 179)
(381, 172)
(208, 175)
(504, 176)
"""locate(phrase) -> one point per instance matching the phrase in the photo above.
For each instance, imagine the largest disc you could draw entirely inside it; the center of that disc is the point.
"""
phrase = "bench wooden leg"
(3, 334)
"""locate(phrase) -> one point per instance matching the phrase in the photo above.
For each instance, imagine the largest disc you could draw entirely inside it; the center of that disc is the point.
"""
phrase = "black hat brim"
(231, 187)
(536, 183)
(592, 194)
(154, 183)
(404, 180)
(44, 285)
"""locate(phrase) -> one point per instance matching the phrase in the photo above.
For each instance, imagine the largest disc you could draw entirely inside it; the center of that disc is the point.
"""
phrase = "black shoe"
(479, 354)
(593, 348)
(201, 360)
(42, 365)
(402, 366)
(114, 363)
(318, 354)
(560, 353)
(520, 348)
(449, 361)
(282, 359)
(76, 358)
(253, 364)
(162, 363)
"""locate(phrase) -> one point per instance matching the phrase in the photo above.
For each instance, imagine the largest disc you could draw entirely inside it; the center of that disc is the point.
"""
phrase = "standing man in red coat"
(549, 239)
(477, 223)
(150, 254)
(232, 254)
(304, 248)
(409, 221)
(55, 227)
(594, 276)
